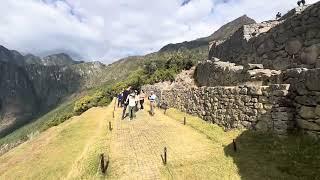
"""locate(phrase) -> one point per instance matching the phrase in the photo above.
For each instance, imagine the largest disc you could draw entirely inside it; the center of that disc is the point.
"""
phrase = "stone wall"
(305, 95)
(264, 108)
(293, 42)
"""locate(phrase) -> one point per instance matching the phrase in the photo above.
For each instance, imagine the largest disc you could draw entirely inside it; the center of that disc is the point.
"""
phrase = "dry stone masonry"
(264, 108)
(305, 95)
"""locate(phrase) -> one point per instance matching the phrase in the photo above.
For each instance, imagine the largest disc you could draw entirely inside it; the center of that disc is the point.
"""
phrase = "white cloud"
(105, 29)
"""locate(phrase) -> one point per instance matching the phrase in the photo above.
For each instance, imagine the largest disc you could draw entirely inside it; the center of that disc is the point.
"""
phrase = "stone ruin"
(264, 77)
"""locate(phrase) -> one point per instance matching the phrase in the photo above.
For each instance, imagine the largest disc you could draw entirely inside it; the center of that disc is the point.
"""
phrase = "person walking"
(137, 100)
(278, 16)
(152, 98)
(142, 96)
(120, 96)
(124, 101)
(131, 101)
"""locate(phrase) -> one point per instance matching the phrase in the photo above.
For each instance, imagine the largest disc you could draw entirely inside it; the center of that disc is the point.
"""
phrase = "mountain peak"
(231, 27)
(221, 34)
(60, 59)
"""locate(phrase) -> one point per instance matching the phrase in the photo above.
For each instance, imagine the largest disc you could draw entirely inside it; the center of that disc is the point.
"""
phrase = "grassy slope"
(69, 150)
(259, 156)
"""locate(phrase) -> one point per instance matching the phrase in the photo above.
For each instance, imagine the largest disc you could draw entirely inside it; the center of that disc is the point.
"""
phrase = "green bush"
(99, 98)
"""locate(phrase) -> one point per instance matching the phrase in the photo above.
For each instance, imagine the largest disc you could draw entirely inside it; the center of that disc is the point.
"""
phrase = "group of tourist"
(301, 2)
(133, 101)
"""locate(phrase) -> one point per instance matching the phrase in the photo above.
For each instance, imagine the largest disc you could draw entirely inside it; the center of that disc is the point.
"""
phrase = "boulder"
(293, 46)
(307, 112)
(310, 55)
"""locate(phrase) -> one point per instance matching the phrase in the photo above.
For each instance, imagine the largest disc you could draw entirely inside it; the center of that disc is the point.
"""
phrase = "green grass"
(70, 150)
(260, 156)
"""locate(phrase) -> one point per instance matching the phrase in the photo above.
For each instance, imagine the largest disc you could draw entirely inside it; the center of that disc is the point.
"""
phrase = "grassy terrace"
(69, 150)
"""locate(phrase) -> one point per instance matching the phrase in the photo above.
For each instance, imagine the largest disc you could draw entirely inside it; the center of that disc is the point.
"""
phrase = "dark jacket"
(125, 95)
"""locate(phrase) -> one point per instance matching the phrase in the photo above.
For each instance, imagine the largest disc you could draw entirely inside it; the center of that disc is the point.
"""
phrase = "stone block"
(263, 99)
(293, 46)
(280, 93)
(282, 116)
(317, 110)
(307, 112)
(253, 66)
(275, 87)
(258, 105)
(310, 55)
(243, 91)
(268, 106)
(255, 90)
(312, 81)
(304, 124)
(306, 100)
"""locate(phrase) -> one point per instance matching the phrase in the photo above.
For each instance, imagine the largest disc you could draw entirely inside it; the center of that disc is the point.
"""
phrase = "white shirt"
(132, 100)
(153, 98)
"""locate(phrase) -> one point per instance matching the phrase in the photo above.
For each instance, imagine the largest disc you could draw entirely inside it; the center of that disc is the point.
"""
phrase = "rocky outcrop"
(61, 59)
(11, 56)
(52, 83)
(18, 98)
(289, 43)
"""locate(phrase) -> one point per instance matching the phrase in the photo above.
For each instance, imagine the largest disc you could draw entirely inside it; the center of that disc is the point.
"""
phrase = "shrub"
(99, 98)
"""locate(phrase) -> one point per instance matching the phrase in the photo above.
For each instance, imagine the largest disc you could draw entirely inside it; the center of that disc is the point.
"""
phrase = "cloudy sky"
(106, 30)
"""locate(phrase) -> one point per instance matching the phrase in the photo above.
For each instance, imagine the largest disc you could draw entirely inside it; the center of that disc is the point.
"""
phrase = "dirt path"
(136, 146)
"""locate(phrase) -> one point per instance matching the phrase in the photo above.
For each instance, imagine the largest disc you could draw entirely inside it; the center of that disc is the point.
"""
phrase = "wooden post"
(234, 145)
(113, 114)
(164, 157)
(184, 121)
(110, 126)
(104, 164)
(165, 111)
(102, 167)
